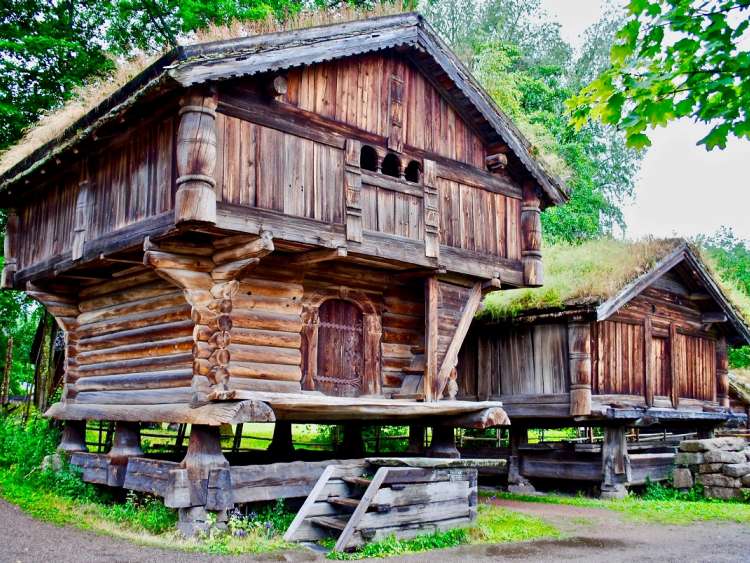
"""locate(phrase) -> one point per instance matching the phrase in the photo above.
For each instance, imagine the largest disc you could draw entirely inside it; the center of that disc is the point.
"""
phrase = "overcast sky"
(682, 189)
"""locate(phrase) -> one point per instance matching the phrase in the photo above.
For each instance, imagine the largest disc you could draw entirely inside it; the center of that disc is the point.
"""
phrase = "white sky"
(682, 189)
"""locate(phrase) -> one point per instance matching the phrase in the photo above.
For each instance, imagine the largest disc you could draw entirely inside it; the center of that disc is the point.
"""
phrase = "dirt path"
(597, 534)
(591, 534)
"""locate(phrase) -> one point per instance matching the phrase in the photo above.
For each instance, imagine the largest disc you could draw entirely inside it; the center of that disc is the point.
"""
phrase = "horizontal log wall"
(403, 333)
(356, 92)
(132, 343)
(131, 180)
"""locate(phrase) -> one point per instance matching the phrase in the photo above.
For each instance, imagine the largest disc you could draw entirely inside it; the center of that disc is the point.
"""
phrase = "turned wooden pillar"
(282, 446)
(416, 439)
(9, 249)
(722, 372)
(517, 483)
(73, 437)
(126, 444)
(615, 463)
(579, 360)
(531, 236)
(195, 200)
(443, 443)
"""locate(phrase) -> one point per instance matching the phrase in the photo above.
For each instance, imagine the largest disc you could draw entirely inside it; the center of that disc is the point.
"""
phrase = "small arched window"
(391, 165)
(368, 158)
(412, 171)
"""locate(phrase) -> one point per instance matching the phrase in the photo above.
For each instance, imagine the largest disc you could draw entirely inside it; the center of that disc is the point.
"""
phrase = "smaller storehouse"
(739, 393)
(622, 335)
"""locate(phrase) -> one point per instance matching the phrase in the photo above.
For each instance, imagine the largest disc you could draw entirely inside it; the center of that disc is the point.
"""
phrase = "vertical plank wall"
(131, 181)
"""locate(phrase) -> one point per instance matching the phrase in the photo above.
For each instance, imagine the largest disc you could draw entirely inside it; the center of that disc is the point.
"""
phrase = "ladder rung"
(330, 522)
(346, 502)
(358, 481)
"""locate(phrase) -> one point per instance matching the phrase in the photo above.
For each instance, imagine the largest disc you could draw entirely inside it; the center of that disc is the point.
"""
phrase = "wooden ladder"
(340, 514)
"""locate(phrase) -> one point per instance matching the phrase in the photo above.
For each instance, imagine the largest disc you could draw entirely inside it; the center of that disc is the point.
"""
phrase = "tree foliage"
(675, 59)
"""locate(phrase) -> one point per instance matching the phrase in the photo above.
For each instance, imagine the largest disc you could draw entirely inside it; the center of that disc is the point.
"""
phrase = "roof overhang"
(274, 52)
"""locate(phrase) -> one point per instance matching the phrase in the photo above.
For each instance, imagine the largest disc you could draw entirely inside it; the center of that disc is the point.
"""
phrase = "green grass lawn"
(668, 511)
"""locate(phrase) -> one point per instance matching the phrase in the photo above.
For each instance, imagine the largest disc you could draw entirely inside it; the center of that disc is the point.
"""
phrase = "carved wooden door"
(340, 349)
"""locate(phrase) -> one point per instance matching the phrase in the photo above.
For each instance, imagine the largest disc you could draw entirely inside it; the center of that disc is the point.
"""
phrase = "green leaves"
(675, 59)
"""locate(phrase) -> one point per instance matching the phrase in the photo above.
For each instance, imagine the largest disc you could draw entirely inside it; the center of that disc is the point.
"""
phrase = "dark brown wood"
(10, 249)
(579, 355)
(674, 374)
(531, 232)
(281, 445)
(431, 338)
(722, 372)
(73, 437)
(443, 443)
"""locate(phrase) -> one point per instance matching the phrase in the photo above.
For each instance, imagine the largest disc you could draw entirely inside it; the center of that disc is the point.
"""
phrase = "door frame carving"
(372, 331)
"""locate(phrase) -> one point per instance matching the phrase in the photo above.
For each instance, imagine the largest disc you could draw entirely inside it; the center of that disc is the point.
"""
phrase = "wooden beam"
(648, 371)
(431, 338)
(451, 356)
(316, 256)
(713, 317)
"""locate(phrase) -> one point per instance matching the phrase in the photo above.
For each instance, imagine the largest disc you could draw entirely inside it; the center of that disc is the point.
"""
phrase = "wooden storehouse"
(739, 393)
(622, 335)
(291, 227)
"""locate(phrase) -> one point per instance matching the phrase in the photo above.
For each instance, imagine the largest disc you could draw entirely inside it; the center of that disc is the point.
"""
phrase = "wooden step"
(345, 502)
(358, 481)
(330, 522)
(408, 396)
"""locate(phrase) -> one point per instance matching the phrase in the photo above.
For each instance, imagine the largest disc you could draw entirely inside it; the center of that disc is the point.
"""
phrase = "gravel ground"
(591, 534)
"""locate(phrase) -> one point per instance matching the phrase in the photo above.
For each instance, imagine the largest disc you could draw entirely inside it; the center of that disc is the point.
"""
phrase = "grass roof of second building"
(581, 275)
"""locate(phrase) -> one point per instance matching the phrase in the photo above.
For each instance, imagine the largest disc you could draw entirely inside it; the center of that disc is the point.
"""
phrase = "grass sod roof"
(587, 275)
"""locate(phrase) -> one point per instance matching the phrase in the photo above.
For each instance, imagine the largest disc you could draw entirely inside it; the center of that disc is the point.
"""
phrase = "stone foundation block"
(195, 520)
(710, 467)
(724, 493)
(746, 481)
(682, 478)
(736, 469)
(747, 453)
(720, 456)
(613, 492)
(689, 458)
(718, 480)
(727, 443)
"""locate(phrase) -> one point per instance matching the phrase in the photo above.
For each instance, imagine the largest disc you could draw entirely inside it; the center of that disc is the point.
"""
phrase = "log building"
(292, 227)
(607, 347)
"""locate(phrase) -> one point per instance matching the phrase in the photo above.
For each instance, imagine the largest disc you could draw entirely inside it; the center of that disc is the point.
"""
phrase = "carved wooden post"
(431, 210)
(674, 373)
(80, 227)
(615, 463)
(196, 157)
(73, 437)
(310, 323)
(579, 360)
(443, 443)
(416, 439)
(531, 233)
(373, 333)
(722, 372)
(396, 113)
(431, 338)
(353, 191)
(126, 444)
(10, 249)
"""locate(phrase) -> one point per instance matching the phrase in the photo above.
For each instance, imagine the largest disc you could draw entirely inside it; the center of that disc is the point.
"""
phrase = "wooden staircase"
(354, 506)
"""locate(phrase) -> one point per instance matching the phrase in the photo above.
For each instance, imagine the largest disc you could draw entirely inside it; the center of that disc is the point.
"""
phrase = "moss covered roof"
(739, 382)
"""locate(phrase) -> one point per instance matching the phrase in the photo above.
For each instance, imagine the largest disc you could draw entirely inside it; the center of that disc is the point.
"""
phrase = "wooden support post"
(517, 483)
(81, 225)
(674, 373)
(531, 236)
(484, 368)
(431, 338)
(431, 210)
(416, 439)
(126, 444)
(615, 463)
(195, 200)
(353, 190)
(73, 437)
(9, 250)
(722, 372)
(353, 446)
(443, 443)
(648, 368)
(208, 481)
(579, 360)
(282, 446)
